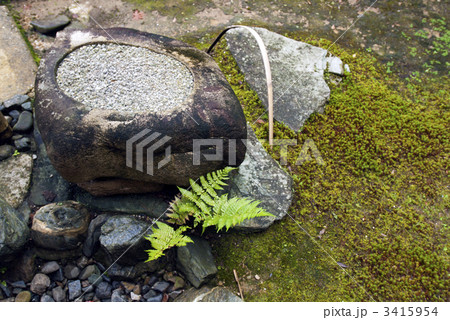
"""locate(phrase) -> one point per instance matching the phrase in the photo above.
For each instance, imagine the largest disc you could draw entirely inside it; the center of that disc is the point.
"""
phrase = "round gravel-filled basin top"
(124, 78)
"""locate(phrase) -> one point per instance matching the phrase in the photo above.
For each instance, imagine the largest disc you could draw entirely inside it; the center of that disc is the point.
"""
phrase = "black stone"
(50, 24)
(71, 272)
(150, 294)
(57, 275)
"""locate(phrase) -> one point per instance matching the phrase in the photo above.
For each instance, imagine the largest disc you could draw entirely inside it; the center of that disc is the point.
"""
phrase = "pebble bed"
(124, 78)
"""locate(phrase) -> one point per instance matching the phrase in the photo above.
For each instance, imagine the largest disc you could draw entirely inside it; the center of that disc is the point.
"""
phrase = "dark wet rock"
(121, 232)
(48, 185)
(13, 231)
(6, 151)
(58, 275)
(144, 204)
(261, 178)
(103, 290)
(93, 235)
(40, 283)
(196, 261)
(212, 110)
(207, 294)
(50, 24)
(5, 129)
(50, 267)
(23, 268)
(60, 226)
(24, 123)
(23, 296)
(58, 294)
(74, 289)
(5, 290)
(16, 101)
(23, 144)
(297, 73)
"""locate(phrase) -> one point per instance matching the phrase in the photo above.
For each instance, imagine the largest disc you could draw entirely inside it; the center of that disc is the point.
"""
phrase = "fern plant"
(165, 237)
(206, 208)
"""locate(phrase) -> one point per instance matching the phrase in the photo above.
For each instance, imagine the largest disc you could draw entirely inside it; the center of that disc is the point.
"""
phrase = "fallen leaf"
(138, 15)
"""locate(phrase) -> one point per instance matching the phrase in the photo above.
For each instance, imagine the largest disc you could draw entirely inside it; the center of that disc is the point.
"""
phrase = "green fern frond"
(229, 213)
(180, 211)
(165, 237)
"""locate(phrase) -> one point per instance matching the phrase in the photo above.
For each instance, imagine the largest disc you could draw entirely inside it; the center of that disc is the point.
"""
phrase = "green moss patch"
(370, 224)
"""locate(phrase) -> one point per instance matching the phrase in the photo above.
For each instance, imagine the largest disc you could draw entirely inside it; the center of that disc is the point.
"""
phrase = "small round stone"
(124, 78)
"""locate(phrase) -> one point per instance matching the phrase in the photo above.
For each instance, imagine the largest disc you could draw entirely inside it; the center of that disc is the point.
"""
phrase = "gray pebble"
(161, 286)
(58, 294)
(103, 290)
(50, 267)
(71, 272)
(157, 298)
(24, 123)
(17, 100)
(27, 106)
(19, 284)
(40, 283)
(117, 297)
(47, 298)
(74, 289)
(88, 271)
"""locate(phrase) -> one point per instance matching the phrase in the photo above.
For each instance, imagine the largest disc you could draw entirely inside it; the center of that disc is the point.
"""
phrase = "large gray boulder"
(14, 232)
(297, 73)
(261, 178)
(196, 261)
(88, 145)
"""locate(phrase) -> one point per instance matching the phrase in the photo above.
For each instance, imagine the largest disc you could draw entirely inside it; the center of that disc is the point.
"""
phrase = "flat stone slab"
(297, 68)
(261, 178)
(15, 178)
(17, 67)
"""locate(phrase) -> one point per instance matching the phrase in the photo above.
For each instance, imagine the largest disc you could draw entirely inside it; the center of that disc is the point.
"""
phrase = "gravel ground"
(124, 78)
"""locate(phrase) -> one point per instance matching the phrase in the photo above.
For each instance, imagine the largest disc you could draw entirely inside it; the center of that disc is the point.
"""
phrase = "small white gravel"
(124, 78)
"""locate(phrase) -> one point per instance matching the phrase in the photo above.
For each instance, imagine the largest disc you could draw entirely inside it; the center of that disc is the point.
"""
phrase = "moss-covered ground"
(372, 223)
